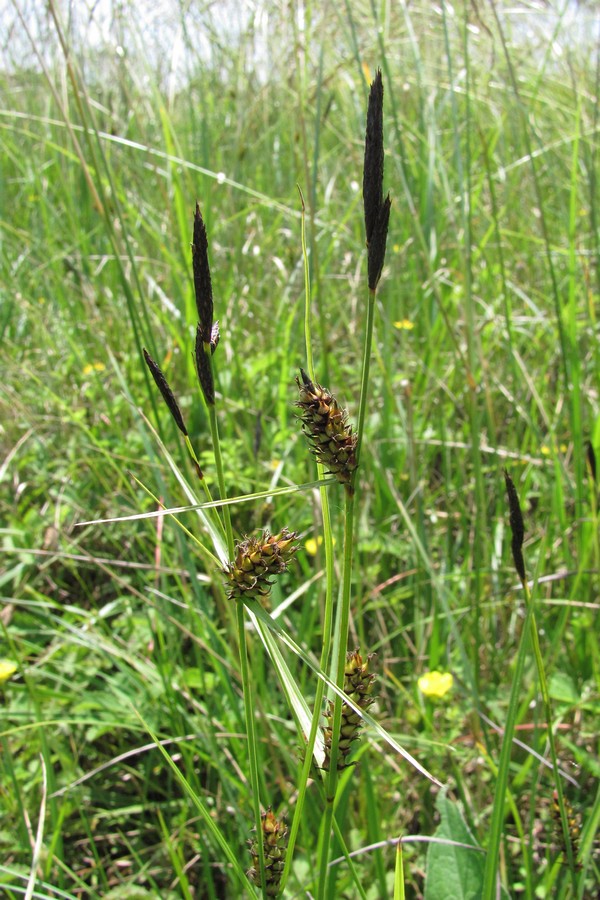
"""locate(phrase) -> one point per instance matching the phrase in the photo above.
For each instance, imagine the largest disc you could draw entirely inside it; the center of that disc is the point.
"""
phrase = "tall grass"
(128, 692)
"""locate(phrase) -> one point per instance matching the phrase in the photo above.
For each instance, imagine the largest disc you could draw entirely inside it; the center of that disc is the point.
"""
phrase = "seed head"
(326, 427)
(358, 685)
(256, 560)
(274, 846)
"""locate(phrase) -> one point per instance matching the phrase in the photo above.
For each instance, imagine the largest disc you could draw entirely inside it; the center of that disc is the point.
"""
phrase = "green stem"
(366, 369)
(203, 481)
(535, 639)
(214, 432)
(490, 874)
(245, 672)
(342, 648)
(330, 574)
(489, 890)
(252, 745)
(342, 634)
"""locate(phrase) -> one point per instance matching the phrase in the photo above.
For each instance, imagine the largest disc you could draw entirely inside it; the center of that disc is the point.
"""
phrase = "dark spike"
(591, 459)
(517, 526)
(307, 381)
(204, 368)
(202, 282)
(373, 163)
(376, 251)
(167, 393)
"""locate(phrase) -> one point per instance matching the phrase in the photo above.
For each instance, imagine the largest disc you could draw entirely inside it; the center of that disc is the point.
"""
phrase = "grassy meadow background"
(114, 121)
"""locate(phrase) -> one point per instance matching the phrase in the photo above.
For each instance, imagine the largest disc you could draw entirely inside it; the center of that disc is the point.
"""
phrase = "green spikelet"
(256, 560)
(325, 425)
(274, 844)
(358, 685)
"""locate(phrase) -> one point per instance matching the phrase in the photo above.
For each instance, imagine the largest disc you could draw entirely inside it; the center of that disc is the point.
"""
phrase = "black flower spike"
(204, 367)
(202, 282)
(377, 210)
(358, 685)
(591, 459)
(275, 846)
(517, 527)
(376, 252)
(167, 394)
(373, 164)
(325, 425)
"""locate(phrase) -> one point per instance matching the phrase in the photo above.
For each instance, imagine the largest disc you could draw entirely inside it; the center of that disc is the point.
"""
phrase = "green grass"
(128, 698)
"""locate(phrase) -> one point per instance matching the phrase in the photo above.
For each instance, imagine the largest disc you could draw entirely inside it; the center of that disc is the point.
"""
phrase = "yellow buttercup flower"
(7, 670)
(404, 325)
(93, 367)
(311, 545)
(435, 684)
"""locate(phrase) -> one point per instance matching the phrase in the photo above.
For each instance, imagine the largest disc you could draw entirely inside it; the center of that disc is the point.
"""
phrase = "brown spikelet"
(256, 560)
(167, 394)
(358, 685)
(274, 846)
(325, 425)
(517, 527)
(204, 367)
(202, 281)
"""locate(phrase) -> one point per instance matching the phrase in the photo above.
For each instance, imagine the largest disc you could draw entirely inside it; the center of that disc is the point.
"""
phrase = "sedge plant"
(254, 561)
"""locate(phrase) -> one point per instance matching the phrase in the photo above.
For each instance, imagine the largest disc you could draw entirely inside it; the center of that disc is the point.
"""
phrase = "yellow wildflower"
(312, 544)
(435, 684)
(7, 670)
(404, 325)
(93, 367)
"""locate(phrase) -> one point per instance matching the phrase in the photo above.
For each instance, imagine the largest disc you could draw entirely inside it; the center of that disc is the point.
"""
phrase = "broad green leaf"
(455, 862)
